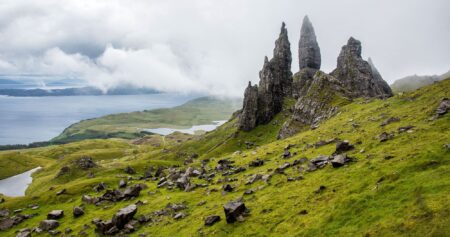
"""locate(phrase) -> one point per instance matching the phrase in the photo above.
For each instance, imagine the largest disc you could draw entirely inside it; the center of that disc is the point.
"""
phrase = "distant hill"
(8, 82)
(74, 91)
(414, 82)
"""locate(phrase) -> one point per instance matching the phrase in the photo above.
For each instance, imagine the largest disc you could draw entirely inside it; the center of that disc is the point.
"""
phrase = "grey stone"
(308, 48)
(46, 225)
(233, 210)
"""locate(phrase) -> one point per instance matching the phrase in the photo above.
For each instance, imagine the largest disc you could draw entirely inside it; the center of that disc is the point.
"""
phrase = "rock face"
(320, 101)
(308, 48)
(248, 116)
(275, 84)
(319, 95)
(358, 76)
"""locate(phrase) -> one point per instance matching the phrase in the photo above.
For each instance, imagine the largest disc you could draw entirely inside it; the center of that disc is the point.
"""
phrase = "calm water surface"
(30, 119)
(16, 185)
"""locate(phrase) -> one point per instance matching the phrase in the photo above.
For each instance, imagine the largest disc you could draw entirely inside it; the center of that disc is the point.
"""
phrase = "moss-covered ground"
(400, 187)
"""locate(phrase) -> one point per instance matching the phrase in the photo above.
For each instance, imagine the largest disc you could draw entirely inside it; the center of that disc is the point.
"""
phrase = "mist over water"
(30, 119)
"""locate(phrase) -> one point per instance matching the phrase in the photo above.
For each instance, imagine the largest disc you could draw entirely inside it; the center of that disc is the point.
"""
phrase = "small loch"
(16, 185)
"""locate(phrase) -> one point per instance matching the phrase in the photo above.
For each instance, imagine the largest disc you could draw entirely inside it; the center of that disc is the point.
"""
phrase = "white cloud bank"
(212, 47)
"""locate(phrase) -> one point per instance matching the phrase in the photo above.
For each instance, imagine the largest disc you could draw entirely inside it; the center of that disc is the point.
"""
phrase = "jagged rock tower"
(308, 48)
(318, 94)
(358, 76)
(262, 103)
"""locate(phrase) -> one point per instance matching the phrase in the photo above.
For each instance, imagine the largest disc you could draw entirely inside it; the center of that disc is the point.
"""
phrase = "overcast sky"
(212, 46)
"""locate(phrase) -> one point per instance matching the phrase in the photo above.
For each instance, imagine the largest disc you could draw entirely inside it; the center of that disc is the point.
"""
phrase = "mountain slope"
(399, 187)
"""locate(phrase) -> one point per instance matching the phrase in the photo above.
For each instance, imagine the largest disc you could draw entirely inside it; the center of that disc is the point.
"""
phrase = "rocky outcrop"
(248, 116)
(357, 76)
(275, 84)
(319, 95)
(308, 48)
(320, 100)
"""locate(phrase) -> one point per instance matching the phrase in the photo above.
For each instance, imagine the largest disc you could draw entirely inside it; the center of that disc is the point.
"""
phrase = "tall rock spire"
(308, 48)
(248, 116)
(275, 83)
(357, 76)
(282, 60)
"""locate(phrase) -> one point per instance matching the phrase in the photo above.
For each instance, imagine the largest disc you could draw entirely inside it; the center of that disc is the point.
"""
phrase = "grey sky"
(212, 46)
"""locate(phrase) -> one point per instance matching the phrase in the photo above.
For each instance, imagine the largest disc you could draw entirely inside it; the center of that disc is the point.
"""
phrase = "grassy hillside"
(399, 187)
(129, 125)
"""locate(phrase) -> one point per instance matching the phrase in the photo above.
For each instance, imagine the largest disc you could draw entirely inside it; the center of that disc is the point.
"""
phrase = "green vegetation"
(199, 111)
(400, 187)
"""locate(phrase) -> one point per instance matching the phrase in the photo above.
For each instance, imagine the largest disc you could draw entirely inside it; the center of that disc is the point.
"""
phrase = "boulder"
(129, 170)
(47, 225)
(85, 163)
(233, 210)
(385, 136)
(443, 107)
(78, 211)
(24, 233)
(4, 212)
(122, 183)
(123, 216)
(343, 146)
(256, 163)
(389, 120)
(340, 160)
(211, 220)
(55, 215)
(132, 192)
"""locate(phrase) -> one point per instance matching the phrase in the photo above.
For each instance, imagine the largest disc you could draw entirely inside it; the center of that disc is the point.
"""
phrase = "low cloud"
(211, 47)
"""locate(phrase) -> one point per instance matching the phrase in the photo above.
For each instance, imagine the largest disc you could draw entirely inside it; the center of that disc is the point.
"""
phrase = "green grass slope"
(199, 111)
(400, 187)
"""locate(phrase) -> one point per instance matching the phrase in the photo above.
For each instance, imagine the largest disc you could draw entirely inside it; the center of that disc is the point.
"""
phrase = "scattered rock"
(234, 210)
(119, 220)
(405, 128)
(47, 225)
(122, 183)
(129, 170)
(385, 136)
(85, 163)
(443, 107)
(55, 215)
(318, 162)
(4, 212)
(24, 233)
(340, 160)
(100, 187)
(389, 120)
(62, 191)
(89, 199)
(303, 212)
(256, 163)
(286, 154)
(320, 189)
(211, 220)
(227, 188)
(253, 178)
(179, 216)
(343, 146)
(78, 211)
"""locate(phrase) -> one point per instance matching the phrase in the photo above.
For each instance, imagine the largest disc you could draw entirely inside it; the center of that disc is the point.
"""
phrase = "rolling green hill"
(397, 187)
(199, 111)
